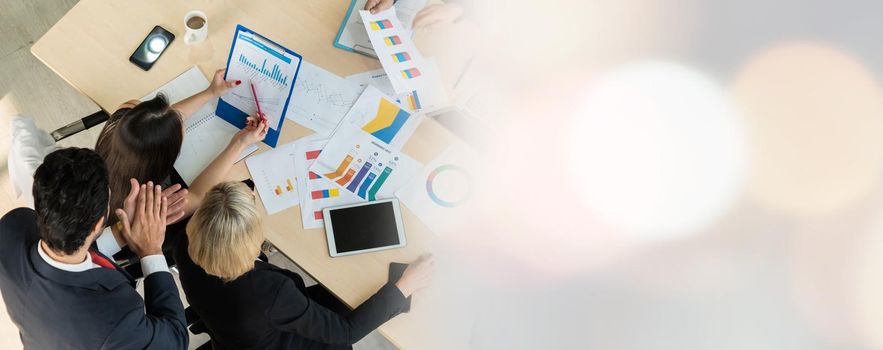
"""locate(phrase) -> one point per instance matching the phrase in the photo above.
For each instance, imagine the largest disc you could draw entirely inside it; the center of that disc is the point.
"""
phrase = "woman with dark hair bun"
(141, 141)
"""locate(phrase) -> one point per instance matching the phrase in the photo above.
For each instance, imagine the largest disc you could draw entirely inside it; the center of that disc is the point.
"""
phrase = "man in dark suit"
(62, 292)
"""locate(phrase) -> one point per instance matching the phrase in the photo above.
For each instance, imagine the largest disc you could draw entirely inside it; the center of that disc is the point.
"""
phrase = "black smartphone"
(396, 270)
(249, 183)
(152, 47)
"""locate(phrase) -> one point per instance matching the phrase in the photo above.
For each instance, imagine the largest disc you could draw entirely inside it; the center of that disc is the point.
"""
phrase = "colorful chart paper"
(387, 122)
(397, 53)
(363, 156)
(429, 97)
(401, 57)
(316, 192)
(410, 73)
(413, 101)
(392, 40)
(381, 24)
(352, 35)
(274, 177)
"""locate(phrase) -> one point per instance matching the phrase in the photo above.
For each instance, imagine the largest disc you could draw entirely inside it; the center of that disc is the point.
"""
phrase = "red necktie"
(101, 261)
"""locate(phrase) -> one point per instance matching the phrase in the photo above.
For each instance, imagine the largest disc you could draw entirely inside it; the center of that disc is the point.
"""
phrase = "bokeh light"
(659, 150)
(814, 118)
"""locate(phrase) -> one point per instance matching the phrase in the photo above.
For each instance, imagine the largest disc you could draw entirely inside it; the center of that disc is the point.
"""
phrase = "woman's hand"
(376, 6)
(219, 86)
(437, 14)
(417, 276)
(255, 131)
(146, 230)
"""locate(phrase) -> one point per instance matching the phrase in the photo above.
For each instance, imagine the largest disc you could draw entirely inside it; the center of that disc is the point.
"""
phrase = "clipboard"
(235, 116)
(353, 45)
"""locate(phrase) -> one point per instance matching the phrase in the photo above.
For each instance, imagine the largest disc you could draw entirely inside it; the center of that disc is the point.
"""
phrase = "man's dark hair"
(70, 195)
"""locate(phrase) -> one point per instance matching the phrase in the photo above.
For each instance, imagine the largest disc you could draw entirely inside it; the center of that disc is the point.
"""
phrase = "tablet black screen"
(364, 227)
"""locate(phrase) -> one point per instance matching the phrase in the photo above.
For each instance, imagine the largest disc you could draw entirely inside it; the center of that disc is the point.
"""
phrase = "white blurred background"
(676, 174)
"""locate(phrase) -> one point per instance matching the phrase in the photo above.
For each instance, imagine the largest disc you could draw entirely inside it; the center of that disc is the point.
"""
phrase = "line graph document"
(205, 135)
(321, 99)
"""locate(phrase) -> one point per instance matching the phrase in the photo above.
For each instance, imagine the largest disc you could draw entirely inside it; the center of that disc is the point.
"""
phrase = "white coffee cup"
(195, 27)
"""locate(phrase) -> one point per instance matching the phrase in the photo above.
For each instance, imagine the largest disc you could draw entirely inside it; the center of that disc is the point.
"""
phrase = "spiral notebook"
(205, 135)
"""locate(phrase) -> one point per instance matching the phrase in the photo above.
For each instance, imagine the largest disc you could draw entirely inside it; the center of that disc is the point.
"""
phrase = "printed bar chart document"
(271, 68)
(363, 156)
(316, 192)
(398, 55)
(352, 36)
(274, 177)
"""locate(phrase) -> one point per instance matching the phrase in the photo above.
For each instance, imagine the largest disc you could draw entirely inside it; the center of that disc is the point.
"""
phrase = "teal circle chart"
(447, 202)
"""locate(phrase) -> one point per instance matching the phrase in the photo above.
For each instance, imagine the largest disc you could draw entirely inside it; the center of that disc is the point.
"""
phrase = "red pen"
(256, 103)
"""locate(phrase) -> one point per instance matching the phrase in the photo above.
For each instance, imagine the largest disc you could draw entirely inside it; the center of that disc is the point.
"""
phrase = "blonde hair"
(225, 232)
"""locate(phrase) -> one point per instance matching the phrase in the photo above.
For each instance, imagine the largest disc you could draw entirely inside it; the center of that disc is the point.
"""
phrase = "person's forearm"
(190, 105)
(213, 174)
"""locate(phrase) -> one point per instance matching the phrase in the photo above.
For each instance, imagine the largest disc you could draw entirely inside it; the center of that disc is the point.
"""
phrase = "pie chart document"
(442, 195)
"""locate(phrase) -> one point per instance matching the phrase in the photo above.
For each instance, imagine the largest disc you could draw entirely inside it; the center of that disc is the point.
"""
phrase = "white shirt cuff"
(107, 243)
(153, 263)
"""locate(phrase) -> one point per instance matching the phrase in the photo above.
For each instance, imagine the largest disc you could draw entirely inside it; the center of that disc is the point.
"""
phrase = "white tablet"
(364, 227)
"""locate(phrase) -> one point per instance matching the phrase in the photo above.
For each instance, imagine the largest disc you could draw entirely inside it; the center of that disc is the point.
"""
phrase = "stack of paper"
(363, 156)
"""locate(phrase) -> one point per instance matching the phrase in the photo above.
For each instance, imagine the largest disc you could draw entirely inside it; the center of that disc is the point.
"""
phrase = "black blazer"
(269, 308)
(93, 309)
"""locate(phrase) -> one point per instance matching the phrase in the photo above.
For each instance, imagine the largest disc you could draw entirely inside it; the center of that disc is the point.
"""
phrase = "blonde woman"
(249, 304)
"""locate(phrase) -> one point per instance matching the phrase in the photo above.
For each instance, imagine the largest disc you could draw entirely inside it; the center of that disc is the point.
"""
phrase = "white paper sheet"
(320, 99)
(205, 135)
(429, 97)
(274, 177)
(397, 53)
(442, 195)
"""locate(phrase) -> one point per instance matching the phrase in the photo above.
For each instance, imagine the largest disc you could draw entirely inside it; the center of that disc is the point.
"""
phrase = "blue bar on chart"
(401, 57)
(381, 24)
(364, 188)
(359, 176)
(275, 73)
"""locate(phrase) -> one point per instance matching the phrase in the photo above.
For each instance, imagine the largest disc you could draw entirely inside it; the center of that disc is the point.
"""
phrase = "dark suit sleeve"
(292, 311)
(164, 325)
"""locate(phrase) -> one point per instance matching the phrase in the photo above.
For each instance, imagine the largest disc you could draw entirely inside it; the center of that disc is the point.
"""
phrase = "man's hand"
(219, 86)
(376, 6)
(417, 276)
(147, 230)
